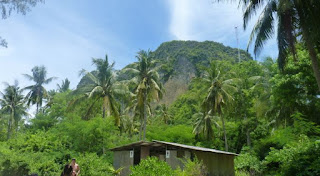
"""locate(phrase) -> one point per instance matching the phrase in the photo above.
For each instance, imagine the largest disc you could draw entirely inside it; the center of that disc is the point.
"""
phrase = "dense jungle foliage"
(270, 117)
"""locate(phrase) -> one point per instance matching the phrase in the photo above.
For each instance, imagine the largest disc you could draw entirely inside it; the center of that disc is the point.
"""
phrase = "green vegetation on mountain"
(194, 93)
(179, 57)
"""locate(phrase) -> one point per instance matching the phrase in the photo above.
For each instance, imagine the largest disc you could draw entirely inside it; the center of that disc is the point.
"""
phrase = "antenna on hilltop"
(236, 28)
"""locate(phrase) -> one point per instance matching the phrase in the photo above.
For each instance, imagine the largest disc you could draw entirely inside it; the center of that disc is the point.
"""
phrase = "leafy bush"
(43, 121)
(276, 140)
(17, 162)
(46, 152)
(247, 163)
(93, 165)
(152, 166)
(192, 168)
(297, 158)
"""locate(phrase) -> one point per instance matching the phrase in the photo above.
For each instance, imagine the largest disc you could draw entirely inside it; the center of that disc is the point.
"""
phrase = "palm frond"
(93, 78)
(131, 71)
(286, 38)
(95, 91)
(251, 7)
(264, 27)
(28, 76)
(49, 80)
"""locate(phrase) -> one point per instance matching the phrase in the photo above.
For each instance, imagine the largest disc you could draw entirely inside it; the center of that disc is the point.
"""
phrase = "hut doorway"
(136, 156)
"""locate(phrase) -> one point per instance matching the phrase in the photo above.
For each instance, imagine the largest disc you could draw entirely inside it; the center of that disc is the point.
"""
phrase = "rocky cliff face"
(183, 61)
(178, 82)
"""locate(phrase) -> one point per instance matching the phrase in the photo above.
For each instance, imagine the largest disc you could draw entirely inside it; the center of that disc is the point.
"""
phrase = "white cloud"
(194, 19)
(208, 20)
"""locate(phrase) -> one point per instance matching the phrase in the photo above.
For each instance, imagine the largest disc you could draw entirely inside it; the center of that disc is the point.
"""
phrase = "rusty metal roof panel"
(156, 143)
(129, 146)
(195, 148)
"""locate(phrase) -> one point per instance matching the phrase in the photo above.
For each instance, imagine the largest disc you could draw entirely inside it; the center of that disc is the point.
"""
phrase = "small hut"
(216, 162)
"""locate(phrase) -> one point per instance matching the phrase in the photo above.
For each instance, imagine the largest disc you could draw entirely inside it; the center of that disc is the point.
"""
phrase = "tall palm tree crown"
(64, 85)
(37, 92)
(12, 103)
(101, 85)
(148, 86)
(203, 125)
(219, 89)
(162, 112)
(297, 20)
(218, 95)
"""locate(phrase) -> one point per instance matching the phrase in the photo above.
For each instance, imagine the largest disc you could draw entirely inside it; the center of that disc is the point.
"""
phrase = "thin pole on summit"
(236, 29)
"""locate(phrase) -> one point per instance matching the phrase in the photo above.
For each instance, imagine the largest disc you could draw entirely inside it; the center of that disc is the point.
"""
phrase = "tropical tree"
(218, 95)
(246, 87)
(297, 21)
(100, 86)
(13, 105)
(148, 87)
(250, 86)
(37, 92)
(127, 124)
(162, 112)
(135, 108)
(65, 84)
(203, 125)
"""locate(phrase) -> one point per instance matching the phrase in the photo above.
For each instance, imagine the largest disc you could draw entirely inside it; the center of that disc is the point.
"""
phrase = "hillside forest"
(204, 94)
(195, 93)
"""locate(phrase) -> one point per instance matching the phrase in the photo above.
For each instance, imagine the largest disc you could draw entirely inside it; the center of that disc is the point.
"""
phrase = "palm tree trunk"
(315, 62)
(10, 125)
(103, 111)
(144, 114)
(103, 140)
(104, 107)
(247, 132)
(225, 134)
(9, 128)
(141, 127)
(310, 47)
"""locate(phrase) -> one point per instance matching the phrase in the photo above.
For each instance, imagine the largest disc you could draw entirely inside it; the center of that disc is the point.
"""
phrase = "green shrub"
(276, 140)
(192, 168)
(152, 166)
(301, 157)
(93, 165)
(247, 163)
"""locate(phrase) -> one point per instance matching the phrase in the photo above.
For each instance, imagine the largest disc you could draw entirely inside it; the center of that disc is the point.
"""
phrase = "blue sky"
(65, 35)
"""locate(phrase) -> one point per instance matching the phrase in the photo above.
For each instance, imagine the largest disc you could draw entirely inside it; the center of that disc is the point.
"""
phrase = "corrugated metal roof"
(194, 147)
(129, 146)
(145, 143)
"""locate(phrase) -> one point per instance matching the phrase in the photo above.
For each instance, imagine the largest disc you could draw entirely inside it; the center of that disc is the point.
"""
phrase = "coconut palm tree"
(218, 94)
(127, 124)
(65, 84)
(148, 87)
(101, 86)
(246, 86)
(203, 125)
(13, 105)
(297, 21)
(162, 112)
(37, 91)
(135, 108)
